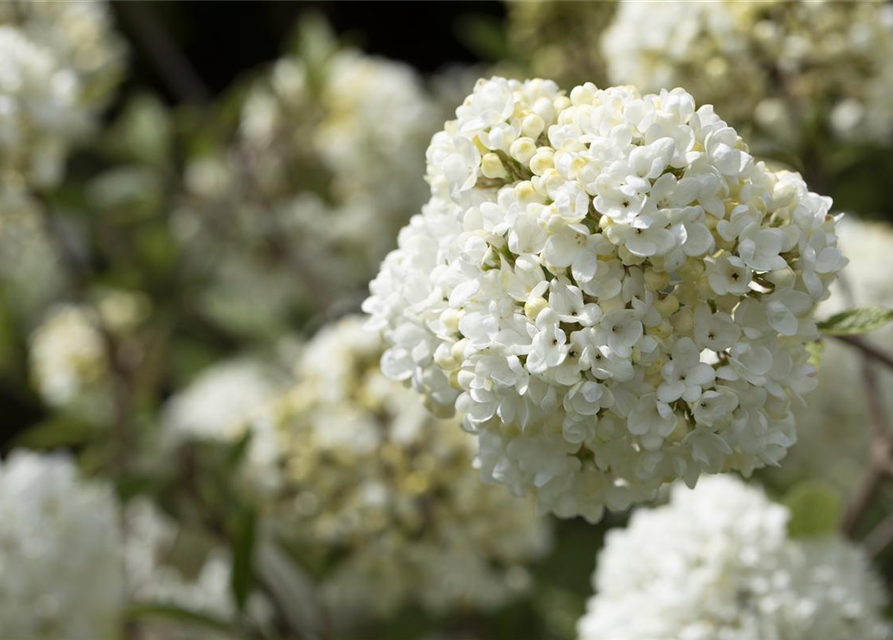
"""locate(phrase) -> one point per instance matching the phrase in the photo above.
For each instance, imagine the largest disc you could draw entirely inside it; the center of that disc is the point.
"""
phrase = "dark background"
(224, 39)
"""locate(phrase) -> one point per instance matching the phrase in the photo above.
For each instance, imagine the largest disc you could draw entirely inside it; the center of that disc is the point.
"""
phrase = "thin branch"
(879, 538)
(881, 448)
(169, 60)
(78, 274)
(868, 350)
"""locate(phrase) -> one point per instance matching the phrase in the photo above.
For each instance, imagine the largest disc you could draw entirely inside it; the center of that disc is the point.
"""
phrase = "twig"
(880, 537)
(880, 458)
(170, 62)
(78, 276)
(868, 350)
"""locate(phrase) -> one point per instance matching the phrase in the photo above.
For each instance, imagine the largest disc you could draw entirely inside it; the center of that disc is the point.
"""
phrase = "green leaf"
(243, 539)
(855, 321)
(55, 433)
(172, 612)
(484, 36)
(816, 350)
(815, 508)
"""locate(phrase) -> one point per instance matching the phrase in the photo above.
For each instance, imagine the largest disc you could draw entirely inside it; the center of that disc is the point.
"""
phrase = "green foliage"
(178, 614)
(855, 321)
(243, 541)
(815, 508)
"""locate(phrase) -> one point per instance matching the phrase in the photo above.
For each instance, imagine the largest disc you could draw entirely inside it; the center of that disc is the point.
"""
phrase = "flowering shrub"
(370, 473)
(784, 65)
(47, 514)
(717, 562)
(609, 288)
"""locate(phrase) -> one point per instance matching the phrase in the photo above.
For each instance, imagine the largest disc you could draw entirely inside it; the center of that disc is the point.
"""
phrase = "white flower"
(625, 304)
(684, 374)
(371, 476)
(780, 66)
(717, 562)
(60, 549)
(222, 404)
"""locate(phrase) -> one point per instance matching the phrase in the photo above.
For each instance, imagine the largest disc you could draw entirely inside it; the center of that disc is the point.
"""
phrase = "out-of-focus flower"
(373, 478)
(60, 552)
(834, 423)
(783, 66)
(717, 563)
(323, 167)
(69, 353)
(168, 564)
(60, 61)
(609, 288)
(560, 39)
(222, 404)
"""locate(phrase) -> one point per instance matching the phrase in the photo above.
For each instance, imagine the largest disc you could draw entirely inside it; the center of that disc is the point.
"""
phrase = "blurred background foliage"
(175, 243)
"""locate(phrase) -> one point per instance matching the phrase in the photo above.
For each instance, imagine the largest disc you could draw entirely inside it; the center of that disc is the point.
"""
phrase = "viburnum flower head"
(717, 563)
(609, 288)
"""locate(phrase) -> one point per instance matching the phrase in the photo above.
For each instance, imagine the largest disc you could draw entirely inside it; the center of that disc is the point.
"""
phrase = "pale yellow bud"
(667, 306)
(532, 126)
(491, 166)
(542, 160)
(656, 280)
(523, 149)
(534, 306)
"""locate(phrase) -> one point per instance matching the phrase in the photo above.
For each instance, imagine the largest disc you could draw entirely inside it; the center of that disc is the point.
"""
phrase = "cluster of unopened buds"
(609, 288)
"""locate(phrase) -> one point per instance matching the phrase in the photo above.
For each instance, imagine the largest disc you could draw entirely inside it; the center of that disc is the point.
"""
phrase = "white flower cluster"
(68, 355)
(374, 479)
(222, 404)
(60, 552)
(779, 64)
(68, 360)
(834, 425)
(717, 564)
(609, 288)
(58, 64)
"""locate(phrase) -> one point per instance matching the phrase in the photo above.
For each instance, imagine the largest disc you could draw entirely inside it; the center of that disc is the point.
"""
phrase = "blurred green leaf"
(484, 36)
(238, 449)
(856, 321)
(57, 432)
(815, 508)
(143, 132)
(171, 612)
(243, 539)
(816, 350)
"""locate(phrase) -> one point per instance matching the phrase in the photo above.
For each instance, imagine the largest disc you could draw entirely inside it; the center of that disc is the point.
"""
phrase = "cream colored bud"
(525, 192)
(458, 350)
(491, 166)
(523, 149)
(542, 160)
(656, 280)
(532, 126)
(450, 319)
(692, 269)
(561, 103)
(534, 306)
(782, 278)
(667, 306)
(683, 322)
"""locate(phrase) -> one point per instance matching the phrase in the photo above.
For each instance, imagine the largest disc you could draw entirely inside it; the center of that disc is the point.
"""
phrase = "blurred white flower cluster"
(324, 165)
(60, 552)
(609, 288)
(58, 64)
(717, 564)
(168, 564)
(834, 424)
(224, 403)
(784, 65)
(69, 357)
(372, 477)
